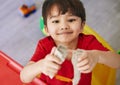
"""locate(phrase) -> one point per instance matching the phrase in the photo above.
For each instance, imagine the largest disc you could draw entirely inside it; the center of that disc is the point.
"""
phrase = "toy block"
(26, 11)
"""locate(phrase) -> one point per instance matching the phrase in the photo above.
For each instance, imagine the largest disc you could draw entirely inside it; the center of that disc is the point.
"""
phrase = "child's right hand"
(50, 64)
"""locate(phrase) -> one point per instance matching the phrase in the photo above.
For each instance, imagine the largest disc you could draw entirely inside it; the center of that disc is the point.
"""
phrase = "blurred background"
(19, 35)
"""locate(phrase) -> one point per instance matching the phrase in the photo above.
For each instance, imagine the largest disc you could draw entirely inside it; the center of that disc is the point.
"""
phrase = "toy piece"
(61, 52)
(24, 10)
(76, 54)
(27, 9)
(42, 26)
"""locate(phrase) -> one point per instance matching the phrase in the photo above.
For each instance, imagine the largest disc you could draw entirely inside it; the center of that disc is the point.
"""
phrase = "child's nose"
(64, 26)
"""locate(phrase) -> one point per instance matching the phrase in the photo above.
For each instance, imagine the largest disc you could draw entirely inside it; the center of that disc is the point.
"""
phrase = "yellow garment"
(102, 75)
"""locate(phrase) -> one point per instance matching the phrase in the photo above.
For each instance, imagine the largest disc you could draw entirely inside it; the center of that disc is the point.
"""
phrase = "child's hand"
(87, 61)
(50, 64)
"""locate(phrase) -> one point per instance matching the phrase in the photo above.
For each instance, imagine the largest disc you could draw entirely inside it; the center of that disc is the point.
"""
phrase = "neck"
(71, 45)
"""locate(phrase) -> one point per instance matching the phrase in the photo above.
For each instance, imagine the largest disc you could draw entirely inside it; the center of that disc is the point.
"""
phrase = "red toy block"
(10, 72)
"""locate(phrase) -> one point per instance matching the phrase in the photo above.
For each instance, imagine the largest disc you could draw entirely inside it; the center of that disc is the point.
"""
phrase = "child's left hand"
(87, 61)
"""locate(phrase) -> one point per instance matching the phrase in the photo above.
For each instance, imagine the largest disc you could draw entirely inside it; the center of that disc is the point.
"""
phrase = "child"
(64, 22)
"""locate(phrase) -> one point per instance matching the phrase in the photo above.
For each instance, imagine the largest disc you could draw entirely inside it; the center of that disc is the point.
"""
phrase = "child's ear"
(46, 30)
(82, 25)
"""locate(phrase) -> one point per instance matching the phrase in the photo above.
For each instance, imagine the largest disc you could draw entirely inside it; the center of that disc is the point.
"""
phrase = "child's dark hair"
(73, 6)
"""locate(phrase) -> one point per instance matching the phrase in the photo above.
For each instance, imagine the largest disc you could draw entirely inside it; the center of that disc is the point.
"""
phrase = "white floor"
(19, 35)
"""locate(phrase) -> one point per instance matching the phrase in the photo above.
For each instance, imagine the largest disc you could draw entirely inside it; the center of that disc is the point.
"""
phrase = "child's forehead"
(56, 11)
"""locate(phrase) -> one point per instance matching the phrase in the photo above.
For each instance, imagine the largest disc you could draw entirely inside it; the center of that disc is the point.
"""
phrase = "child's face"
(63, 28)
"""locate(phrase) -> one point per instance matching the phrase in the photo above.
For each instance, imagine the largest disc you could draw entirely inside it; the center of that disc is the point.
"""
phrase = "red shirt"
(87, 42)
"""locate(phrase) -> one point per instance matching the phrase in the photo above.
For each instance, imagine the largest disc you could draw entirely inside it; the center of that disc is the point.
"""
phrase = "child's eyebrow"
(54, 16)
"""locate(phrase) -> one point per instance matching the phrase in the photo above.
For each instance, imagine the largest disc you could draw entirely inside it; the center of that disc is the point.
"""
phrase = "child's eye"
(72, 20)
(55, 21)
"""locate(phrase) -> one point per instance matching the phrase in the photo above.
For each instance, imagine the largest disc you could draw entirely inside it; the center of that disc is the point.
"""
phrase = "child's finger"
(54, 66)
(82, 56)
(83, 63)
(84, 68)
(53, 58)
(50, 71)
(53, 50)
(56, 60)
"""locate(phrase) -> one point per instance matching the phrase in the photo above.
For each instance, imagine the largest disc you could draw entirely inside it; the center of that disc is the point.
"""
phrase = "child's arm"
(90, 58)
(49, 66)
(109, 58)
(30, 71)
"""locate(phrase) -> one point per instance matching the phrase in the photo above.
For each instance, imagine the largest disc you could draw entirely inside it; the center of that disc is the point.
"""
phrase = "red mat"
(10, 72)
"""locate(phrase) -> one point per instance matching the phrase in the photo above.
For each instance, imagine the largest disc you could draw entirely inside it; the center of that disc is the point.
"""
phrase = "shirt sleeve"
(43, 48)
(39, 53)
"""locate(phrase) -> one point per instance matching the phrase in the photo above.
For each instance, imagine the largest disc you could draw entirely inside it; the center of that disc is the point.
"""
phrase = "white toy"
(61, 52)
(77, 53)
